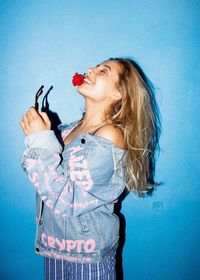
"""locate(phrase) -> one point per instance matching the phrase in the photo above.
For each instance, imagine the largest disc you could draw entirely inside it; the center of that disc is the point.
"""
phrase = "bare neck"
(94, 114)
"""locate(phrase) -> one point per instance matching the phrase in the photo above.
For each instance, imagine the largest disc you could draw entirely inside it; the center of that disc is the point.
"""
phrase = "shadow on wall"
(122, 236)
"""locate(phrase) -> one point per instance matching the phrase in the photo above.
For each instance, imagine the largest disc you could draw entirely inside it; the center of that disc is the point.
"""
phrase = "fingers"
(32, 114)
(24, 123)
(32, 111)
(29, 115)
(28, 119)
(34, 121)
(45, 118)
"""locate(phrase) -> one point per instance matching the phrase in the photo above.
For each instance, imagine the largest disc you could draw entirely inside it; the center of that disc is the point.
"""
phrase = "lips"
(88, 80)
(77, 79)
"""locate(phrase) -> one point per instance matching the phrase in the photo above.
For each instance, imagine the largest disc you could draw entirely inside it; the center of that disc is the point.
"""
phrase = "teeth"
(88, 81)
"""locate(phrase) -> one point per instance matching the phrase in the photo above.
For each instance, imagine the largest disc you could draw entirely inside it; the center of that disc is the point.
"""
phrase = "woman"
(111, 149)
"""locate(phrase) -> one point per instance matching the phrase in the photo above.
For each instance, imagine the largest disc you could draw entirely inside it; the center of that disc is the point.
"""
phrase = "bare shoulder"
(112, 133)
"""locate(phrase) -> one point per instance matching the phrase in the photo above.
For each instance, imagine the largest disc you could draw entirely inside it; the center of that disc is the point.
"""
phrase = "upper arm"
(112, 133)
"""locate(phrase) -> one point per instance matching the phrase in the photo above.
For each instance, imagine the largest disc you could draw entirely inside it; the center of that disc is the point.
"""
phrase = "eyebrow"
(105, 66)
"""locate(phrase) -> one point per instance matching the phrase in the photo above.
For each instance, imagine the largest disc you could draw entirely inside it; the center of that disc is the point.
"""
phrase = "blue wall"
(45, 42)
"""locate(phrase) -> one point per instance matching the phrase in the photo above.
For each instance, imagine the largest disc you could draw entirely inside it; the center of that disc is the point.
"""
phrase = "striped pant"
(64, 270)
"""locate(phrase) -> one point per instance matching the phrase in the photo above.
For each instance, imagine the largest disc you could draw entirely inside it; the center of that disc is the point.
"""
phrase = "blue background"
(45, 42)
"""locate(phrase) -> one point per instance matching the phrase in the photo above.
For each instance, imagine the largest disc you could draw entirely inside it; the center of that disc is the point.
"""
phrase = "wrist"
(34, 131)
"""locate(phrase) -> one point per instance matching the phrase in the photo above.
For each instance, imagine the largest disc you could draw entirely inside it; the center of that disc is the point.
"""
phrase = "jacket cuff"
(44, 139)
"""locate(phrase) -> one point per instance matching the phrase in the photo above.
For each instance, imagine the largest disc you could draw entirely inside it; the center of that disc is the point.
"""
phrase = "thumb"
(45, 118)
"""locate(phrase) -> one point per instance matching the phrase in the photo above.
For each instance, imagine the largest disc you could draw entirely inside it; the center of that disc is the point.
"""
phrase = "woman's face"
(100, 82)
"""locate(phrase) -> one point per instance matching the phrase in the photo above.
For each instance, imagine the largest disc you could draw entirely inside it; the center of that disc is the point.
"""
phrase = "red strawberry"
(77, 79)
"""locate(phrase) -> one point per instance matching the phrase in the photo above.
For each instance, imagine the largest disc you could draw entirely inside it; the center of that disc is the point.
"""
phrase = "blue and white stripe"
(63, 270)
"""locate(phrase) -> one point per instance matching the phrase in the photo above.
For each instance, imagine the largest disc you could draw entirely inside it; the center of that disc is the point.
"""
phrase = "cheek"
(103, 88)
(101, 91)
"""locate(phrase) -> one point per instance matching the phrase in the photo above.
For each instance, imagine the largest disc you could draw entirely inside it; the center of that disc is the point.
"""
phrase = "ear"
(116, 95)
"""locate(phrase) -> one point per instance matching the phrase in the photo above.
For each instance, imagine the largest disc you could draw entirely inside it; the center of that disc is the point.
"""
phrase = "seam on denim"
(93, 139)
(114, 161)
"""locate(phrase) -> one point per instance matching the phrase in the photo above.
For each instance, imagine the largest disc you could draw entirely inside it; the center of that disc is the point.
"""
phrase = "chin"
(80, 90)
(83, 91)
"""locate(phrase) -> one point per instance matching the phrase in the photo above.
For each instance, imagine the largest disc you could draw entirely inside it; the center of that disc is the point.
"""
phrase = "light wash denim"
(76, 189)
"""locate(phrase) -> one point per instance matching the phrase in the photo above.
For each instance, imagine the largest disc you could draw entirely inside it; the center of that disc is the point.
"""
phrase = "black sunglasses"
(37, 95)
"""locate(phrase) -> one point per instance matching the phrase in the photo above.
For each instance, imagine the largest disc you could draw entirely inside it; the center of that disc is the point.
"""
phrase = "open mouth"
(88, 80)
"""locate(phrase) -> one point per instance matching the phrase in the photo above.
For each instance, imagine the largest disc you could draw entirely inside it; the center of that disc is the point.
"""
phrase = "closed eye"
(103, 70)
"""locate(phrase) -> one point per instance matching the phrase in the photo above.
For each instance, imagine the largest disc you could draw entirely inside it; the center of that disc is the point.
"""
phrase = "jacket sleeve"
(73, 189)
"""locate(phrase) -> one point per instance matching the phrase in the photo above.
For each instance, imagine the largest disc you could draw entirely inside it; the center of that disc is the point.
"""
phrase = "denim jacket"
(76, 189)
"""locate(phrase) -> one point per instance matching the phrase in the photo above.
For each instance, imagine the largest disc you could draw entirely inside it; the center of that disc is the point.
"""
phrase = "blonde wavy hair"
(137, 114)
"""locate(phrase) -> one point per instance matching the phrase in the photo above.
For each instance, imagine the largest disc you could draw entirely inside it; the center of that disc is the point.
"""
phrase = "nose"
(91, 72)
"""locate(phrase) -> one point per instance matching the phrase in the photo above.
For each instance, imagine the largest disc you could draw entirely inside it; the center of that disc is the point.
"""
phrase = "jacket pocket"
(83, 222)
(40, 218)
(39, 210)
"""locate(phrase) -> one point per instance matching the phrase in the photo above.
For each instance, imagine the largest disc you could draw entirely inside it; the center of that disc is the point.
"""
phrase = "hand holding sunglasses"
(34, 121)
